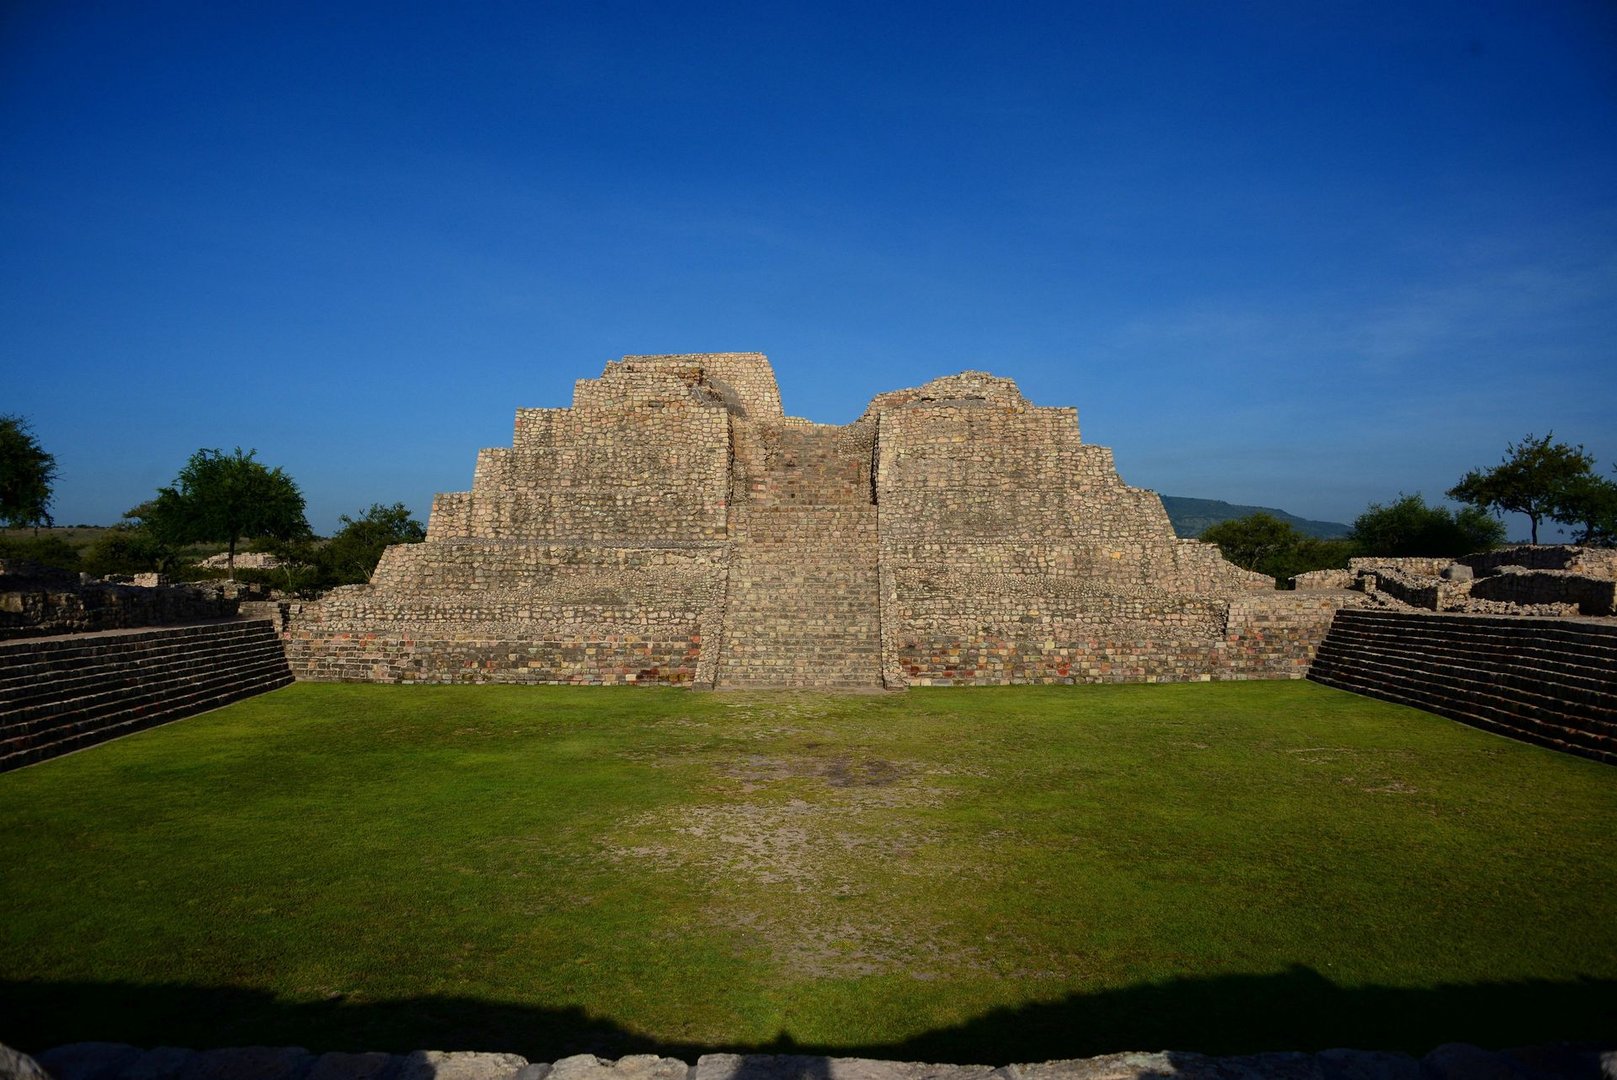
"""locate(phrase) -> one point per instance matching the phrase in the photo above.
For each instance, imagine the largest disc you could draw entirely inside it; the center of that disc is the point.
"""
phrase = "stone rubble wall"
(745, 378)
(1011, 552)
(478, 611)
(38, 601)
(628, 462)
(1451, 1061)
(1549, 581)
(1587, 561)
(1516, 585)
(1421, 565)
(1324, 579)
(673, 526)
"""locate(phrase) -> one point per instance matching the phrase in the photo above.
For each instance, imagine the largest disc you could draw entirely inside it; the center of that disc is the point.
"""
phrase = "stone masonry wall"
(1588, 561)
(37, 600)
(673, 526)
(1012, 552)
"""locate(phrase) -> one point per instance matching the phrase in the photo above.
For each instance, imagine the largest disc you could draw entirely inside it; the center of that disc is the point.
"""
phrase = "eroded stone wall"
(673, 526)
(36, 601)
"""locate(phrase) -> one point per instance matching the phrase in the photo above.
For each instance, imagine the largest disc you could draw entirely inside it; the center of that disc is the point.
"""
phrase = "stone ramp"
(1552, 682)
(65, 693)
(802, 606)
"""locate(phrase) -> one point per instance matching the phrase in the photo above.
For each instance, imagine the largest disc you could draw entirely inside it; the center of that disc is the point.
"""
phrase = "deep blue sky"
(1300, 255)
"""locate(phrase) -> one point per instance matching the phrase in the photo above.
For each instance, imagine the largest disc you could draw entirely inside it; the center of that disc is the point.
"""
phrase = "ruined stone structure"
(37, 600)
(1546, 580)
(674, 526)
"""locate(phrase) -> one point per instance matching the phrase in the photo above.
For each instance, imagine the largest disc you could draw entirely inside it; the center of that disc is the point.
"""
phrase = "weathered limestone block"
(458, 1065)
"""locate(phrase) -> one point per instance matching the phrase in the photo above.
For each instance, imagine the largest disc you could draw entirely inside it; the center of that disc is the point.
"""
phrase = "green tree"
(1589, 502)
(1410, 527)
(1533, 476)
(1264, 543)
(222, 498)
(27, 474)
(351, 555)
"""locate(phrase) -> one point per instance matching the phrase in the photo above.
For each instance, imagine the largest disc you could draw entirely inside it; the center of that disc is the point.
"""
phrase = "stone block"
(88, 1060)
(459, 1065)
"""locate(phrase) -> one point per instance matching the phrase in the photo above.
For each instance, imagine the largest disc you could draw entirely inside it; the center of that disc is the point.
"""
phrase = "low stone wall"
(1452, 1061)
(1411, 565)
(1588, 561)
(36, 601)
(1324, 579)
(485, 611)
(1415, 589)
(1512, 584)
(1107, 638)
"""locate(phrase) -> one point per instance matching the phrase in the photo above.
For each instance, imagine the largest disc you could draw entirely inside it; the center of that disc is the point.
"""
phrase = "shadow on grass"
(1295, 1010)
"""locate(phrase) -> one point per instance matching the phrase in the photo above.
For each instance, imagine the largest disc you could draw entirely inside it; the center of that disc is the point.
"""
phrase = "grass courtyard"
(942, 875)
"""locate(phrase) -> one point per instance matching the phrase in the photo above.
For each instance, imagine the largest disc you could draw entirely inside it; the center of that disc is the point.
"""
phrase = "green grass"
(967, 875)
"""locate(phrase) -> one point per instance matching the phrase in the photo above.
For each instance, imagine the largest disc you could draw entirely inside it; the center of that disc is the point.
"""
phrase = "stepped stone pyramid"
(674, 526)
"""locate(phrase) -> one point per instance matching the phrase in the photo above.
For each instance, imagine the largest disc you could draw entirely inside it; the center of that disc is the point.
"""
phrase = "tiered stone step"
(1545, 681)
(803, 605)
(62, 694)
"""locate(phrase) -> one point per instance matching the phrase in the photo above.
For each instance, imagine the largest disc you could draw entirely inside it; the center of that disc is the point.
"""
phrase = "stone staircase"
(802, 606)
(61, 694)
(1547, 681)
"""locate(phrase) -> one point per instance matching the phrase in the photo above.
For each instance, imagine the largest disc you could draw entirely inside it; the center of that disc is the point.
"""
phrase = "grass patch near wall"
(946, 875)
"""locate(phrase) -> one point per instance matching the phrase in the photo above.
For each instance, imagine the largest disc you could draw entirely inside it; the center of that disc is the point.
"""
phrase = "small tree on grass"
(222, 498)
(1533, 476)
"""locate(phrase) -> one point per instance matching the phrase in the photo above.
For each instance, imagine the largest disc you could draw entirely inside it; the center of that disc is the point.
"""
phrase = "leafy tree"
(27, 474)
(1590, 502)
(310, 565)
(1533, 476)
(351, 555)
(1264, 543)
(1410, 527)
(222, 498)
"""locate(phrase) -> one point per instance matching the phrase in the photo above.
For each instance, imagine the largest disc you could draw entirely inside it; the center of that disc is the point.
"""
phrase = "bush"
(1409, 527)
(1264, 543)
(50, 551)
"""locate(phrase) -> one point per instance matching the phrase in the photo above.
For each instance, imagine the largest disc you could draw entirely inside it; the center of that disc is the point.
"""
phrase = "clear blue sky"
(1300, 255)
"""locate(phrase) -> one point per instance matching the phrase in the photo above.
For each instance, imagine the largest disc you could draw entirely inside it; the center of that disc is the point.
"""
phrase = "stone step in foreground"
(1453, 1061)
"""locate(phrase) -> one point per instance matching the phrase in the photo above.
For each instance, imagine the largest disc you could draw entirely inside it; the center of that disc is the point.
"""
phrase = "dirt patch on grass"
(818, 853)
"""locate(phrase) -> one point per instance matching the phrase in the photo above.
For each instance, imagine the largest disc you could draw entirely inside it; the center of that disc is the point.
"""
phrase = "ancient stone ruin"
(674, 526)
(1546, 580)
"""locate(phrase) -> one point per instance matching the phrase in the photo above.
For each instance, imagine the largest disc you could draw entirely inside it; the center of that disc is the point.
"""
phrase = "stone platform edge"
(1452, 1061)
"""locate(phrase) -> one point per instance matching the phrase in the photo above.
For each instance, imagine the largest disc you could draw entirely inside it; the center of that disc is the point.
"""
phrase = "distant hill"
(1191, 516)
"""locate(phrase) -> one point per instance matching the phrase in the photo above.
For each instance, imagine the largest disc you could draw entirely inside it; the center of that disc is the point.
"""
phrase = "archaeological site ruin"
(674, 526)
